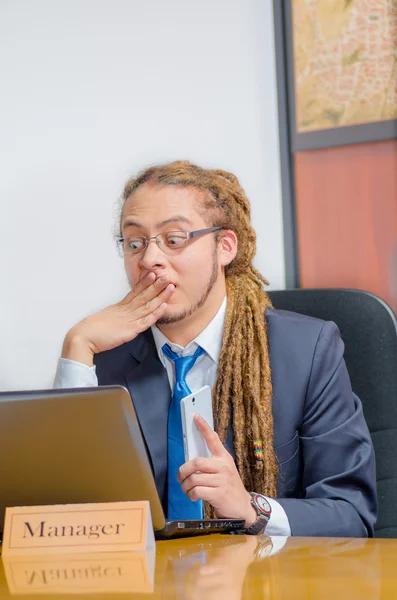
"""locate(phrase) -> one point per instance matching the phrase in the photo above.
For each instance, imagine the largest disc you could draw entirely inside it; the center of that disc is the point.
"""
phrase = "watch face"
(262, 504)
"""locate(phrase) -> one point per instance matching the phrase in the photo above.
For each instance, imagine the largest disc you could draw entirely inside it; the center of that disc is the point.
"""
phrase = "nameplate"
(77, 528)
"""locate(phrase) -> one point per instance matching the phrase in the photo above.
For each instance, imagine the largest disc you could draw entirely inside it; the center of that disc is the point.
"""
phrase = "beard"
(199, 303)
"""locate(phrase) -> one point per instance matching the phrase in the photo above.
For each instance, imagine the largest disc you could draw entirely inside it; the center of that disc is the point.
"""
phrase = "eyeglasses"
(167, 242)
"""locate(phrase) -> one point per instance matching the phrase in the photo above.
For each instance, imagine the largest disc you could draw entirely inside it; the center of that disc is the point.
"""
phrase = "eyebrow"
(174, 219)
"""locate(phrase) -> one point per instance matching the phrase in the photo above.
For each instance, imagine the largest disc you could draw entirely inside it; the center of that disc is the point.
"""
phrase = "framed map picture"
(342, 70)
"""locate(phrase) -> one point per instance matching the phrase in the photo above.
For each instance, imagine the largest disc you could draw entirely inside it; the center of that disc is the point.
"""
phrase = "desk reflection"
(319, 568)
(251, 567)
(217, 567)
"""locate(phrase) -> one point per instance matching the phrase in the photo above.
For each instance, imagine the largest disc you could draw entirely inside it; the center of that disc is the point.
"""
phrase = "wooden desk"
(230, 568)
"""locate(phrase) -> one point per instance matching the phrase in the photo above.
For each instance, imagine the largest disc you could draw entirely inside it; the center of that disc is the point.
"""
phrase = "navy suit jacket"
(326, 482)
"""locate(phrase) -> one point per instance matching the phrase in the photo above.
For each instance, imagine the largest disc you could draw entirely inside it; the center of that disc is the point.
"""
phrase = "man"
(292, 452)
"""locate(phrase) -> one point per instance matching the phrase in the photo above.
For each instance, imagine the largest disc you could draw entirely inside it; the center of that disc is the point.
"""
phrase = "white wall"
(91, 91)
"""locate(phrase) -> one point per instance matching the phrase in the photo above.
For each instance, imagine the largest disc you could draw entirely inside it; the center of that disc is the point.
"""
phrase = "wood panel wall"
(346, 201)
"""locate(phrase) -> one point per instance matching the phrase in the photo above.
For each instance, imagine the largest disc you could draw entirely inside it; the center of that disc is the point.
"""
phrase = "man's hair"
(243, 390)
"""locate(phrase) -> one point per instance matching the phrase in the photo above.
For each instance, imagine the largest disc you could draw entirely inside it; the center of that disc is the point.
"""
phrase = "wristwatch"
(263, 510)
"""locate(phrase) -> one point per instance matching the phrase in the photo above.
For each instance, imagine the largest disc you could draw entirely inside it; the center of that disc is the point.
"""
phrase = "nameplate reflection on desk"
(131, 572)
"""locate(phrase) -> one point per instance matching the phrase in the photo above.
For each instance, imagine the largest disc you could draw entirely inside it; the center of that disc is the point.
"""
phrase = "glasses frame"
(189, 235)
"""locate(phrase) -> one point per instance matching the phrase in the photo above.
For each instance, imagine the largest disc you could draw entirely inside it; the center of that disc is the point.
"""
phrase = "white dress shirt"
(73, 374)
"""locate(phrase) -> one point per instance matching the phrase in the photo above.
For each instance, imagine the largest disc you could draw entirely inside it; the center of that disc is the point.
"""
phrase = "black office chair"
(369, 330)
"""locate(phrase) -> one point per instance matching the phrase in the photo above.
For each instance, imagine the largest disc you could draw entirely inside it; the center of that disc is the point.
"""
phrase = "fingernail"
(170, 287)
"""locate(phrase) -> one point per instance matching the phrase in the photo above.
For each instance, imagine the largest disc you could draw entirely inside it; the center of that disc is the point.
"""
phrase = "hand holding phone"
(198, 403)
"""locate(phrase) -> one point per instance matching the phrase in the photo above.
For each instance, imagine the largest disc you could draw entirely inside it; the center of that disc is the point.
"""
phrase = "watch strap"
(257, 527)
(263, 517)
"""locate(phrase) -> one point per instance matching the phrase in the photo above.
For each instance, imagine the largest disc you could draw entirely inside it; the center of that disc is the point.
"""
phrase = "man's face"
(195, 270)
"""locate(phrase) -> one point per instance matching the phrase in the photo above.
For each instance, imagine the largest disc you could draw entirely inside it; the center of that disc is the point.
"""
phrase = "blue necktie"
(179, 505)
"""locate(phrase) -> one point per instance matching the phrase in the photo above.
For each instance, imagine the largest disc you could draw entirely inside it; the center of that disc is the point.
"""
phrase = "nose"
(152, 257)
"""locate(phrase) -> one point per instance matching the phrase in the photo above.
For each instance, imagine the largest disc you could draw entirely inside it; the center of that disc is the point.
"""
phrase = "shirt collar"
(210, 339)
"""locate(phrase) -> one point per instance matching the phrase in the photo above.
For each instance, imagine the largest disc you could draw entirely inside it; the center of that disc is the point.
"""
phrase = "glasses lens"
(131, 245)
(173, 239)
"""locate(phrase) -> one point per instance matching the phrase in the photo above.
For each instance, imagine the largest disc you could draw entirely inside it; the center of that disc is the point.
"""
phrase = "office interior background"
(94, 90)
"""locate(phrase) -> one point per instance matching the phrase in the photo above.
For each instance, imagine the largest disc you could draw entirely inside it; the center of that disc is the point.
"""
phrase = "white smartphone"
(198, 403)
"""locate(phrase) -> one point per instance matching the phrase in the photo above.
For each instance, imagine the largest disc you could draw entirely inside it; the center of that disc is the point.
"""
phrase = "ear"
(227, 247)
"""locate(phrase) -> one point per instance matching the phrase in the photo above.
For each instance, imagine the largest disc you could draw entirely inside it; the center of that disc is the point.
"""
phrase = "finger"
(148, 320)
(201, 492)
(154, 303)
(211, 438)
(200, 479)
(143, 284)
(151, 291)
(204, 465)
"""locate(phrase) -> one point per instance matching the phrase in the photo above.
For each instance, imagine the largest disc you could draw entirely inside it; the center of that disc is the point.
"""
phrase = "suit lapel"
(151, 395)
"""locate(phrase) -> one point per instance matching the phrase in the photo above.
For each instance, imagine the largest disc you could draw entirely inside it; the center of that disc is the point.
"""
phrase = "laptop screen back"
(72, 446)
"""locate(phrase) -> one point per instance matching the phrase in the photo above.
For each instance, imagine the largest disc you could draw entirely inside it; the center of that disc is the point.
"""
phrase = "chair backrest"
(369, 331)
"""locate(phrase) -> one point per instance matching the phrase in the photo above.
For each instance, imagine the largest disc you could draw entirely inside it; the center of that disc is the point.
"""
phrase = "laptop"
(81, 445)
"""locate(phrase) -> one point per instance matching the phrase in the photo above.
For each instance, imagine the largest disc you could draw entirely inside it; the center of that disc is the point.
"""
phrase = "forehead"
(150, 205)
